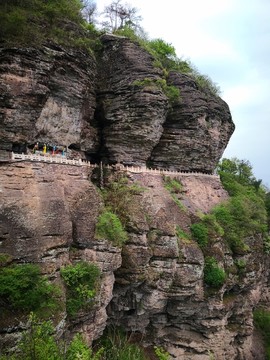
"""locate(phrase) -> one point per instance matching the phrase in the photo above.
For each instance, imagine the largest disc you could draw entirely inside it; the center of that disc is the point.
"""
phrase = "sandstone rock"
(48, 214)
(47, 95)
(130, 116)
(196, 131)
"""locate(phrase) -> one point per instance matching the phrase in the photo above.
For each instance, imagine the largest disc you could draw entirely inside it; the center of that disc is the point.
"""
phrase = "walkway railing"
(59, 159)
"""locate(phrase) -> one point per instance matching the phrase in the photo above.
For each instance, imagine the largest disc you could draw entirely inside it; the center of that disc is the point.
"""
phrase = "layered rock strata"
(111, 108)
(48, 214)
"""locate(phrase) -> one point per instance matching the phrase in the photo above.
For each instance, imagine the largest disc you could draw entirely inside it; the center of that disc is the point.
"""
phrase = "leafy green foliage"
(79, 350)
(81, 281)
(161, 353)
(23, 288)
(200, 233)
(110, 227)
(214, 276)
(181, 234)
(39, 343)
(32, 22)
(173, 185)
(262, 322)
(5, 259)
(175, 188)
(120, 198)
(205, 83)
(116, 346)
(245, 214)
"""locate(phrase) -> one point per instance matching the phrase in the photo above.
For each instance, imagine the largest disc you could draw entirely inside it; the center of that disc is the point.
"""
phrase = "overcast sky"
(229, 40)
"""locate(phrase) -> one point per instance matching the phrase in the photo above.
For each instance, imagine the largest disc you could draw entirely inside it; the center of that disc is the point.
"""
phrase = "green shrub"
(262, 322)
(39, 343)
(214, 276)
(23, 288)
(204, 83)
(110, 227)
(181, 234)
(33, 22)
(116, 346)
(161, 353)
(5, 259)
(120, 198)
(173, 185)
(171, 91)
(81, 281)
(79, 350)
(200, 233)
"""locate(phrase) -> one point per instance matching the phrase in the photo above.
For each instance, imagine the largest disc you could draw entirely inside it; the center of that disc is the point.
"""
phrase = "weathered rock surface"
(45, 211)
(131, 115)
(112, 108)
(154, 288)
(159, 290)
(47, 95)
(196, 131)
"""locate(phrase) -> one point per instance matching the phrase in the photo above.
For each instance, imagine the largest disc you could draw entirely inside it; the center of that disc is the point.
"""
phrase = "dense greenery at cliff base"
(245, 215)
(39, 342)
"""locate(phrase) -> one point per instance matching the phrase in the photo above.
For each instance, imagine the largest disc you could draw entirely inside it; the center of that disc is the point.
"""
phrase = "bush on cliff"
(24, 289)
(39, 343)
(262, 322)
(81, 281)
(110, 227)
(33, 22)
(120, 198)
(214, 275)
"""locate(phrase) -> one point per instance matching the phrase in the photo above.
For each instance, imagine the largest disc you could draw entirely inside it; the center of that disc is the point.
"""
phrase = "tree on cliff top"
(119, 16)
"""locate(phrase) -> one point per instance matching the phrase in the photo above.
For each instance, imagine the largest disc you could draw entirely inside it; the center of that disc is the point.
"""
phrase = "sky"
(228, 40)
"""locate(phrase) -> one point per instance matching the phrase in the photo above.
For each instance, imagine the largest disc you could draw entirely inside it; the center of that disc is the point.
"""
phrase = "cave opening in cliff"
(19, 148)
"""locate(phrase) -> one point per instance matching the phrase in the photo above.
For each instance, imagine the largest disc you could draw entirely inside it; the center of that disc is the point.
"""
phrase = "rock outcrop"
(196, 131)
(48, 214)
(47, 95)
(154, 288)
(112, 108)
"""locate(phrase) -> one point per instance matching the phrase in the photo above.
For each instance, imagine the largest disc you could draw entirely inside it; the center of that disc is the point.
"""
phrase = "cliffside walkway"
(58, 159)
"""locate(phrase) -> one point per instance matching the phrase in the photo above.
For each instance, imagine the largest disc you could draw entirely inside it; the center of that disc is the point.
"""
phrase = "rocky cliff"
(109, 108)
(154, 287)
(113, 107)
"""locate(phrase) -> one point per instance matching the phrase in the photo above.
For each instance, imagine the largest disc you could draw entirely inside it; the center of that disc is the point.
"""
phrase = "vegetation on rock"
(81, 281)
(262, 322)
(34, 22)
(175, 188)
(214, 275)
(39, 342)
(23, 289)
(109, 227)
(244, 215)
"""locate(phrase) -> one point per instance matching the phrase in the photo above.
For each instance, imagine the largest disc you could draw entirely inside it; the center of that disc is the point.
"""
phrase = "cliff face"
(48, 214)
(112, 109)
(48, 96)
(154, 287)
(196, 130)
